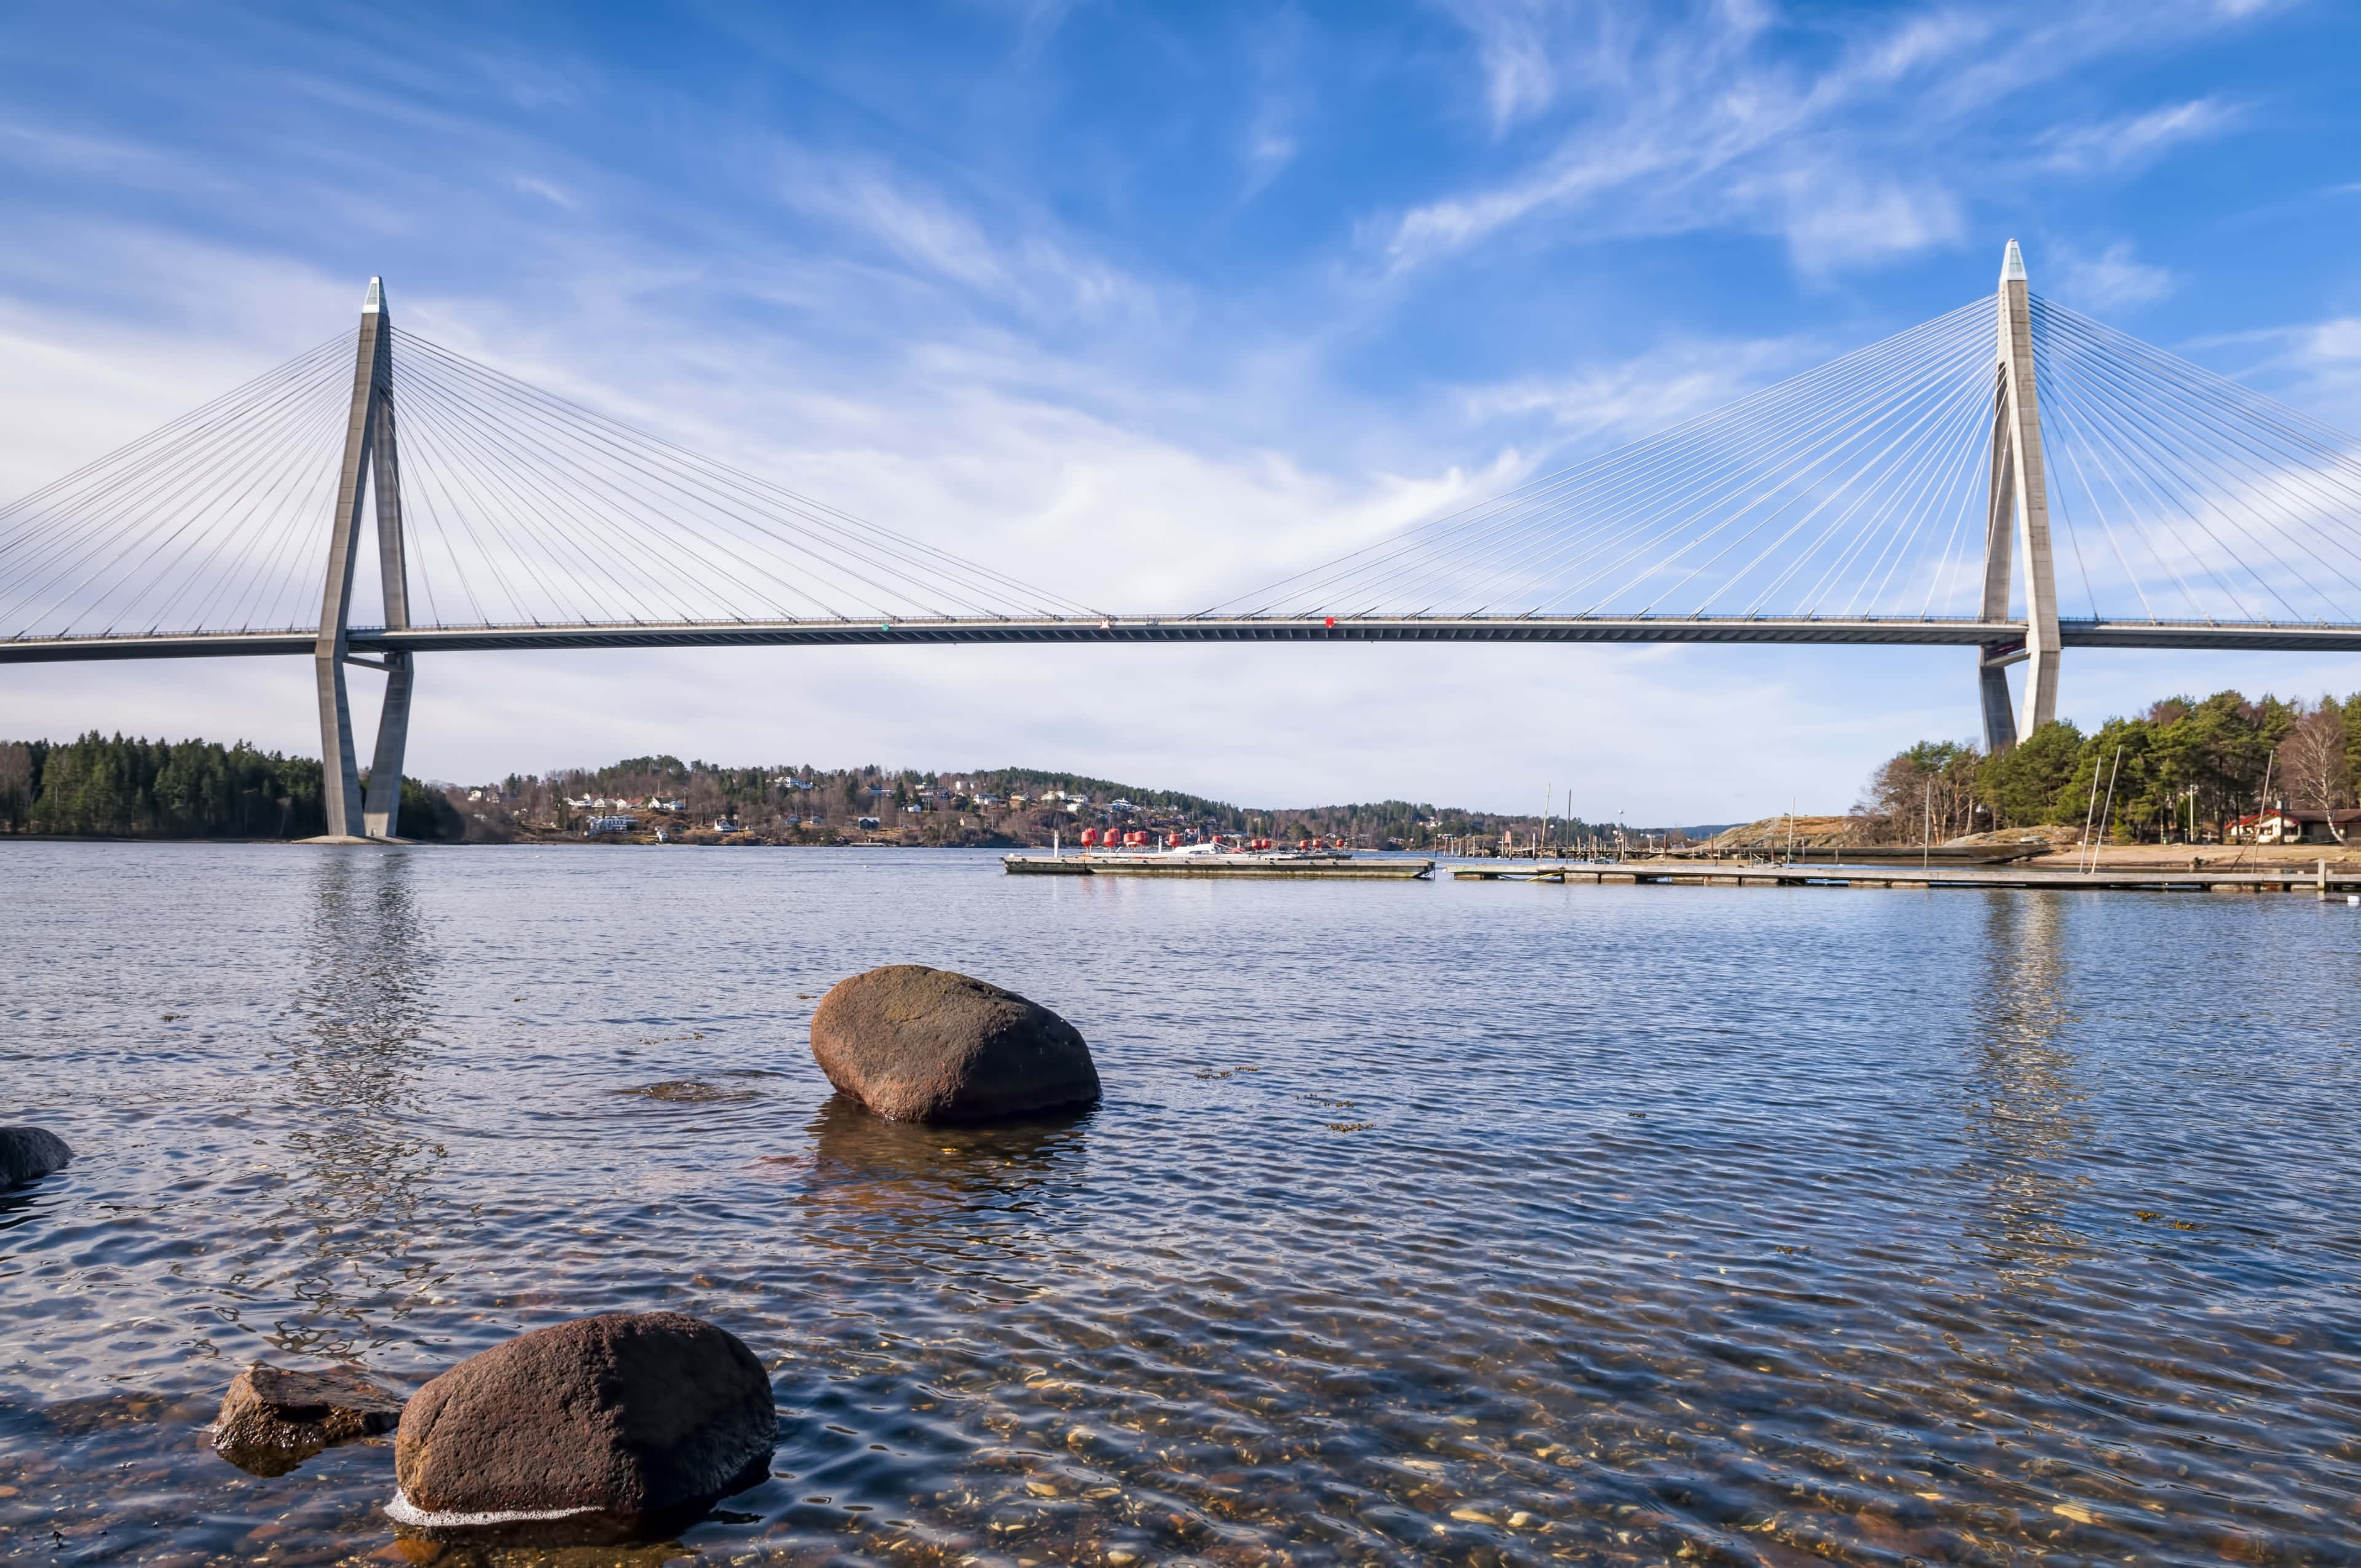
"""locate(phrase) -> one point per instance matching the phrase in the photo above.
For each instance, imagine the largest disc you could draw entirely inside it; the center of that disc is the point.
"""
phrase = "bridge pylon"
(372, 467)
(2017, 522)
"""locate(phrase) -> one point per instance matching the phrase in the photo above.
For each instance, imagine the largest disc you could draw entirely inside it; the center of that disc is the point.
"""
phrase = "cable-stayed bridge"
(2013, 477)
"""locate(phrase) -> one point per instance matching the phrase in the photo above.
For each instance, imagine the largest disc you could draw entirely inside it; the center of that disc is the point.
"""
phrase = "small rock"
(271, 1420)
(915, 1044)
(689, 1091)
(27, 1154)
(634, 1416)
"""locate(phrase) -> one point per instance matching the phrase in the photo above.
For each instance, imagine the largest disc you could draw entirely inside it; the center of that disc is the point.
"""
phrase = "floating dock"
(2342, 882)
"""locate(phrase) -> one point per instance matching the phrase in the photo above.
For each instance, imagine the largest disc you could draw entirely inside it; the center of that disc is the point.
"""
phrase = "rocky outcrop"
(271, 1420)
(925, 1045)
(633, 1415)
(27, 1154)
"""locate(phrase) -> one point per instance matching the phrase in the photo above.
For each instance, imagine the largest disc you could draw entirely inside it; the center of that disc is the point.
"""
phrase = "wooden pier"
(2320, 882)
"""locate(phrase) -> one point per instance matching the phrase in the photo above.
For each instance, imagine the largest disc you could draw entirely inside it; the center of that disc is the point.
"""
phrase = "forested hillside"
(117, 787)
(2182, 761)
(988, 805)
(114, 786)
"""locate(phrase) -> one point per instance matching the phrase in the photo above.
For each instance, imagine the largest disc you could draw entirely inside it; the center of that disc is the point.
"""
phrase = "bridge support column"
(1992, 686)
(371, 463)
(382, 812)
(2017, 522)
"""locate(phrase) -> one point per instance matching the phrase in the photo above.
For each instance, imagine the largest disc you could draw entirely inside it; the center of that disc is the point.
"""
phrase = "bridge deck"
(2255, 635)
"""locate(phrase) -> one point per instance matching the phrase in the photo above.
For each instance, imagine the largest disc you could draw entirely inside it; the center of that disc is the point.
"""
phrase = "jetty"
(2319, 879)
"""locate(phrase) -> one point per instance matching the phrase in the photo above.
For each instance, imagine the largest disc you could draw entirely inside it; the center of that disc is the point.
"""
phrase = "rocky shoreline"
(624, 1427)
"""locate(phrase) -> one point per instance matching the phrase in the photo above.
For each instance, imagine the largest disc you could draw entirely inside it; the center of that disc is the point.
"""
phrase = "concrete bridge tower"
(372, 466)
(2017, 521)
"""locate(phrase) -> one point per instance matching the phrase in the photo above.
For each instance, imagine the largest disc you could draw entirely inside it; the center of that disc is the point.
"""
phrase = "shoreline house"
(2289, 826)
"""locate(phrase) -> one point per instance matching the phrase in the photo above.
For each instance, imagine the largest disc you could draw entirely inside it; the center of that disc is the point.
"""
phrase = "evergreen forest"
(2182, 770)
(112, 786)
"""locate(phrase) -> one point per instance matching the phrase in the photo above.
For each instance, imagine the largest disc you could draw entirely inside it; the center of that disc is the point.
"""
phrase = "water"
(1422, 1222)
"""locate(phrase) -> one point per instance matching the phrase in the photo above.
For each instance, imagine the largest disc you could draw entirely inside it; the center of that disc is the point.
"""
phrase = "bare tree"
(2312, 762)
(1931, 789)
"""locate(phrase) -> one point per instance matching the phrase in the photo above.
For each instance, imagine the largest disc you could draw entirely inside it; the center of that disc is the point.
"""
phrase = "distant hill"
(114, 786)
(805, 803)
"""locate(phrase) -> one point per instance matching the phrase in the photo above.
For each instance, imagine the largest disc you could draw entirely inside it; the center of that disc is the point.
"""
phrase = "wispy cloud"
(1854, 151)
(1270, 147)
(1608, 404)
(931, 233)
(2114, 279)
(1513, 46)
(1148, 311)
(555, 195)
(2115, 145)
(2315, 364)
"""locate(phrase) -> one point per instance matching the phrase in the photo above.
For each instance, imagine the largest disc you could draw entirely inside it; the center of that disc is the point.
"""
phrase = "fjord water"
(1447, 1222)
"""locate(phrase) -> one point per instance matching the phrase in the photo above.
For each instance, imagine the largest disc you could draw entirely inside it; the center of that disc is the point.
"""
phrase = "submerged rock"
(925, 1044)
(689, 1091)
(271, 1420)
(27, 1154)
(633, 1415)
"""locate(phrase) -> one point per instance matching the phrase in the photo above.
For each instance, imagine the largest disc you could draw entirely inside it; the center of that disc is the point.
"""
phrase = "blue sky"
(1145, 303)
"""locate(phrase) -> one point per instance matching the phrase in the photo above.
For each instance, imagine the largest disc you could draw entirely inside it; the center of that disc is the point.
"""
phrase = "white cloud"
(549, 191)
(2113, 146)
(1127, 517)
(1037, 271)
(2316, 365)
(2321, 364)
(1712, 122)
(2112, 281)
(1268, 150)
(2332, 344)
(1836, 221)
(79, 155)
(1608, 404)
(1513, 49)
(949, 355)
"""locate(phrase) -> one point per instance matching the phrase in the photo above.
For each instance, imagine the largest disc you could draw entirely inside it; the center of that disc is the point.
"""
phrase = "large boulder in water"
(271, 1420)
(635, 1415)
(925, 1045)
(27, 1154)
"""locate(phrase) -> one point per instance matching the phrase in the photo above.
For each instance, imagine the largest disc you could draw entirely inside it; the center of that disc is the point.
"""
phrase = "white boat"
(1216, 859)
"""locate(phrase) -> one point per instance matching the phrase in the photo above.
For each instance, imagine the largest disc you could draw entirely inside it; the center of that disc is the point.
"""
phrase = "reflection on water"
(1457, 1222)
(2026, 1120)
(962, 1202)
(360, 1153)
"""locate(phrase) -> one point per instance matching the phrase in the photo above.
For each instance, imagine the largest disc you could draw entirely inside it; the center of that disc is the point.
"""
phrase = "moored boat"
(1217, 861)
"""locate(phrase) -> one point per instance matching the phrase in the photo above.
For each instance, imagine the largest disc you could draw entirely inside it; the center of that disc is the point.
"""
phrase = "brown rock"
(916, 1043)
(271, 1420)
(27, 1154)
(634, 1415)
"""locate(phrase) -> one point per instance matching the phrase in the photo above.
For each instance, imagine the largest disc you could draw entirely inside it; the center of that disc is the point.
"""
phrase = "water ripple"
(1455, 1222)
